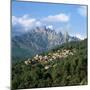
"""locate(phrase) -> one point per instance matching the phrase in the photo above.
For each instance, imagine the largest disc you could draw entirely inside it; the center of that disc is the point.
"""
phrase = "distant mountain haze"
(37, 40)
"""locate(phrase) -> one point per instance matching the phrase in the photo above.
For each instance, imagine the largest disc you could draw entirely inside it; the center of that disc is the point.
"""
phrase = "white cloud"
(38, 23)
(50, 27)
(25, 21)
(80, 36)
(14, 20)
(57, 18)
(82, 10)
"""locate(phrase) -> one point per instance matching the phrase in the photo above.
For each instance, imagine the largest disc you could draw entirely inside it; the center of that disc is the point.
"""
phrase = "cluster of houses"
(59, 54)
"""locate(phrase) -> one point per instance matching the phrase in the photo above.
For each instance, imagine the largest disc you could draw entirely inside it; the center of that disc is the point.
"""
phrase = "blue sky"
(61, 17)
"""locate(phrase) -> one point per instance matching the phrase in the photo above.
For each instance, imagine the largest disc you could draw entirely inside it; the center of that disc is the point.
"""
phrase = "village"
(57, 55)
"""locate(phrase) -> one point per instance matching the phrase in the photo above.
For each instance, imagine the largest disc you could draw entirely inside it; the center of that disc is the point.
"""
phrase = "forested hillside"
(65, 65)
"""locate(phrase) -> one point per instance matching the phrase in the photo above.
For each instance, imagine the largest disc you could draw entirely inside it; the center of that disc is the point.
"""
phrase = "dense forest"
(65, 71)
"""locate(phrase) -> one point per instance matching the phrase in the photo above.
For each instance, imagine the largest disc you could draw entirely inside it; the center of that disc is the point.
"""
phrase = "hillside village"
(57, 55)
(62, 66)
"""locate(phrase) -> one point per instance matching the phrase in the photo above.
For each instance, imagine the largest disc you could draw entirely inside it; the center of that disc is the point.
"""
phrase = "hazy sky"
(62, 17)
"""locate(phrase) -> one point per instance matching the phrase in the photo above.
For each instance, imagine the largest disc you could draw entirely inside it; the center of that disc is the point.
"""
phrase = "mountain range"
(37, 40)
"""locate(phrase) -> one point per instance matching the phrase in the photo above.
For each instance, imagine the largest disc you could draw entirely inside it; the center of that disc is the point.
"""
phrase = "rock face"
(38, 40)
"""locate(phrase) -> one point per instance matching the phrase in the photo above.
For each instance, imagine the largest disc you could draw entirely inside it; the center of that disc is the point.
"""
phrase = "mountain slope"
(65, 71)
(37, 40)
